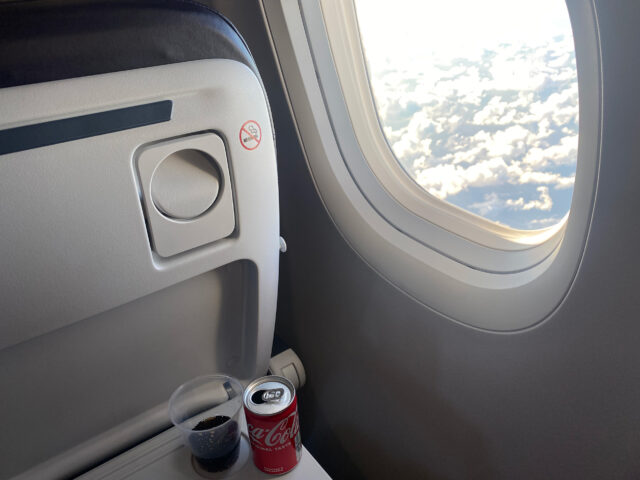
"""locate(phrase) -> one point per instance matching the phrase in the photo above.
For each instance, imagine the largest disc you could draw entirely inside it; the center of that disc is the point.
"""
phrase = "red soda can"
(271, 408)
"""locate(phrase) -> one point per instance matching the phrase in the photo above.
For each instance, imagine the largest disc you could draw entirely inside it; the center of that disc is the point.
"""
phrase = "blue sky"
(479, 101)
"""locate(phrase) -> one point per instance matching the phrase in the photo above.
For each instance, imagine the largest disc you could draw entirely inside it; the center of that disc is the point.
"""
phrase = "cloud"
(490, 203)
(563, 153)
(549, 178)
(445, 179)
(506, 119)
(493, 202)
(543, 222)
(543, 203)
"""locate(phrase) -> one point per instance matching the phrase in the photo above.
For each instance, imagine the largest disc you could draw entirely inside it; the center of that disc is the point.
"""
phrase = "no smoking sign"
(250, 135)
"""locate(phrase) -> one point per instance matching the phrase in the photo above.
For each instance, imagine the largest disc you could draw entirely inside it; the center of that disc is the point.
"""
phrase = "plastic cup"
(206, 410)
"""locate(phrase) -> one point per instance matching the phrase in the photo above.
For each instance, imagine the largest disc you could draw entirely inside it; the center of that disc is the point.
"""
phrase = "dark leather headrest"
(45, 40)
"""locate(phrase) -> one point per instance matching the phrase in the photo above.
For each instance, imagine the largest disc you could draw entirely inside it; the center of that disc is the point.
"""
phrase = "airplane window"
(479, 102)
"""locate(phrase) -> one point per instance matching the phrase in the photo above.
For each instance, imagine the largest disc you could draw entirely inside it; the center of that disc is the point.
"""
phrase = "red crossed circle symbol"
(250, 135)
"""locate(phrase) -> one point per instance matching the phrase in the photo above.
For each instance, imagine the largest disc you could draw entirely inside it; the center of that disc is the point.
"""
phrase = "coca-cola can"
(271, 408)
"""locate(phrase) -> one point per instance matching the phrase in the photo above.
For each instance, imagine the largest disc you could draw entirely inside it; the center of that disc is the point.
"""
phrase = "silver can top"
(269, 395)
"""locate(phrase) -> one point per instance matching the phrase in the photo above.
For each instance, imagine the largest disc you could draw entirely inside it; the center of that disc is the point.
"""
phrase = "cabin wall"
(395, 389)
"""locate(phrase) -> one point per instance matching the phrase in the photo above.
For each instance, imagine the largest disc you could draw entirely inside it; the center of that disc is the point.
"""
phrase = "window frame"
(466, 267)
(343, 32)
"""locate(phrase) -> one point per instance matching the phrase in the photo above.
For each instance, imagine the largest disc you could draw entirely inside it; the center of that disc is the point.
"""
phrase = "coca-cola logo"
(281, 433)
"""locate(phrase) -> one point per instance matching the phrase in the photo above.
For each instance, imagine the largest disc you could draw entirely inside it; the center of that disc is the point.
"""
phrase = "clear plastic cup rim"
(181, 388)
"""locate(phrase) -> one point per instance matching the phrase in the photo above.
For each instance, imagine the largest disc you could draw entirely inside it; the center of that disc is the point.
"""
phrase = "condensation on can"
(271, 409)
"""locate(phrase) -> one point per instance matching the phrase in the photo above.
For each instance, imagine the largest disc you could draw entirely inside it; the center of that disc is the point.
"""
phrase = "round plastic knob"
(185, 184)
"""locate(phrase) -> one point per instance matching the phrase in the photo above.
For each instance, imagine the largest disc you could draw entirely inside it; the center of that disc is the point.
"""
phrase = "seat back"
(138, 221)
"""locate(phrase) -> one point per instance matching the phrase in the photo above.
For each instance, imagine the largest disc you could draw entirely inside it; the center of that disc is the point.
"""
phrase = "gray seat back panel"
(97, 327)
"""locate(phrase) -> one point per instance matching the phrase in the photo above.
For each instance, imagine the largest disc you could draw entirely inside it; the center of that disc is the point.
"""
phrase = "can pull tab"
(272, 396)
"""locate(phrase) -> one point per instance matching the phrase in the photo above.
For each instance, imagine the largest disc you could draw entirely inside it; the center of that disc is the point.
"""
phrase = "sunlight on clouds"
(445, 179)
(543, 203)
(493, 202)
(479, 101)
